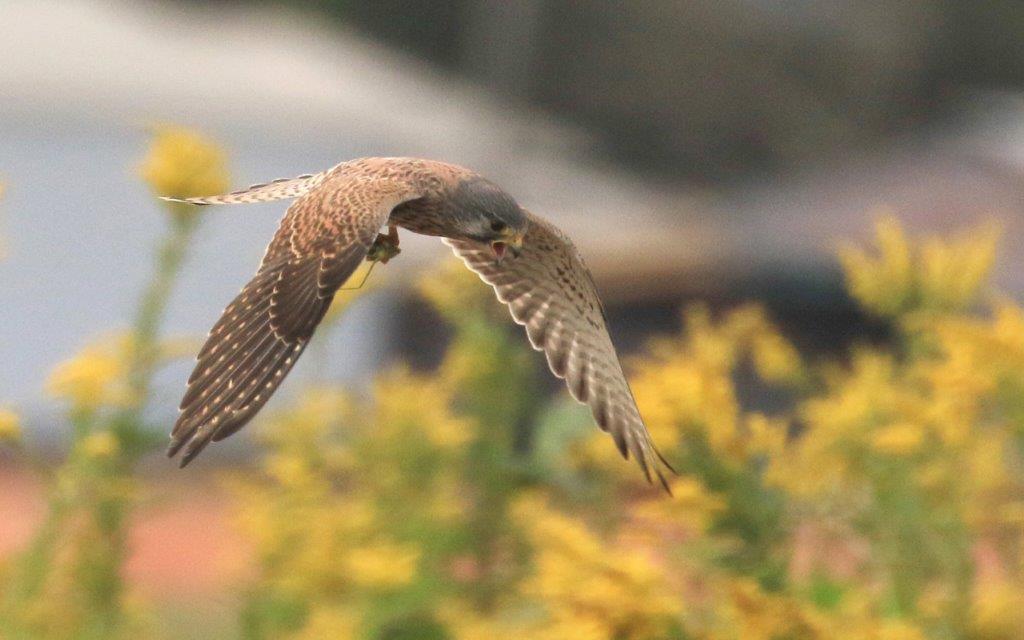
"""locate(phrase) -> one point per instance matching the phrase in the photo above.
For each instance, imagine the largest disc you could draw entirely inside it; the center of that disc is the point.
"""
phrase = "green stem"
(153, 305)
(111, 514)
(101, 490)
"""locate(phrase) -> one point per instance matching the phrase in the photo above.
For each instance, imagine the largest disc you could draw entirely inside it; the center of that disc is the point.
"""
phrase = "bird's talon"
(383, 249)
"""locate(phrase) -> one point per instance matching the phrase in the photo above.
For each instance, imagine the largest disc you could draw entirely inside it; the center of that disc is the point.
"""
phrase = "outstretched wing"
(550, 291)
(321, 241)
(280, 189)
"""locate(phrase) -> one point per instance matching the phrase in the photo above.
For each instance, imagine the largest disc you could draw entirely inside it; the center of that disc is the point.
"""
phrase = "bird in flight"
(334, 224)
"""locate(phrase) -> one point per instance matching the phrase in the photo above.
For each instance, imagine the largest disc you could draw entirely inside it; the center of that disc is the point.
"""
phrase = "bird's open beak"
(512, 244)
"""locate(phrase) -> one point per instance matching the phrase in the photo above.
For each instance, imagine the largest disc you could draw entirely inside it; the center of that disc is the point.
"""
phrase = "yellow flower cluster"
(685, 385)
(329, 549)
(67, 583)
(690, 508)
(184, 164)
(10, 426)
(997, 609)
(99, 445)
(338, 623)
(934, 275)
(859, 513)
(590, 589)
(881, 499)
(96, 376)
(456, 292)
(383, 565)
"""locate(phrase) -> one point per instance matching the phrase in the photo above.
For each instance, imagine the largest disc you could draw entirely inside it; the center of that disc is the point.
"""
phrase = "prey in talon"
(333, 225)
(384, 247)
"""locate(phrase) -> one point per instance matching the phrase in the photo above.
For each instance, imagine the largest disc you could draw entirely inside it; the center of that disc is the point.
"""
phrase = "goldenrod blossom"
(183, 163)
(101, 444)
(96, 376)
(10, 425)
(382, 565)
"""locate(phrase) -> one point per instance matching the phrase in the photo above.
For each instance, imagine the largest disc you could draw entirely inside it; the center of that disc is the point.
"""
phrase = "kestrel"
(333, 225)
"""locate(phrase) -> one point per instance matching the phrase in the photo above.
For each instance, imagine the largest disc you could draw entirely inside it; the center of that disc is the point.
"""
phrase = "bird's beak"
(512, 243)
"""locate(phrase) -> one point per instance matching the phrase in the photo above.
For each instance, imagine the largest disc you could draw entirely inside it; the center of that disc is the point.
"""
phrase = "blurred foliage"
(934, 275)
(886, 503)
(68, 582)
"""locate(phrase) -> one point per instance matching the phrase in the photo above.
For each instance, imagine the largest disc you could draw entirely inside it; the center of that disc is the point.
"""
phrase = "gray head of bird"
(485, 213)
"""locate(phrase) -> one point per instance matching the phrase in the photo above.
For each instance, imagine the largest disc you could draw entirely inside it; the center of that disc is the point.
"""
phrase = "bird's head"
(485, 213)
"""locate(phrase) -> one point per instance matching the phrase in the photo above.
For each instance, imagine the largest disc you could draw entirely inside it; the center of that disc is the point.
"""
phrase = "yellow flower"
(899, 630)
(383, 564)
(405, 400)
(184, 164)
(985, 462)
(775, 358)
(935, 274)
(10, 425)
(690, 505)
(96, 376)
(337, 623)
(685, 386)
(615, 591)
(751, 613)
(840, 422)
(289, 470)
(899, 439)
(882, 284)
(311, 417)
(997, 610)
(953, 271)
(464, 623)
(766, 436)
(910, 453)
(101, 444)
(454, 290)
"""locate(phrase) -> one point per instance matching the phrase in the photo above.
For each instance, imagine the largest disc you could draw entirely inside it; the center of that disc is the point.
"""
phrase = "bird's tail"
(280, 189)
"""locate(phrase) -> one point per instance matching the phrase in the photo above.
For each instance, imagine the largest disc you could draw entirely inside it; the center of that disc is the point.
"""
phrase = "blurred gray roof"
(280, 86)
(81, 80)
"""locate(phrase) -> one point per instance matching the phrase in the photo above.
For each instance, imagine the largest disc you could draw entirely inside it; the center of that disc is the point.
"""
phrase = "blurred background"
(709, 152)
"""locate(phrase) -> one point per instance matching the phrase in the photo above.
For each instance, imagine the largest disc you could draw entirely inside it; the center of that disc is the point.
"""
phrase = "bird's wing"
(280, 189)
(550, 291)
(252, 347)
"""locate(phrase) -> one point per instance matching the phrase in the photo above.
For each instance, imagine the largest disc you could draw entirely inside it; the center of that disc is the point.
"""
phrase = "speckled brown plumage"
(322, 239)
(550, 292)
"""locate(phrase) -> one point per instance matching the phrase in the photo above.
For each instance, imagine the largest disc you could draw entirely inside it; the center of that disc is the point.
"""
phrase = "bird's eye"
(498, 226)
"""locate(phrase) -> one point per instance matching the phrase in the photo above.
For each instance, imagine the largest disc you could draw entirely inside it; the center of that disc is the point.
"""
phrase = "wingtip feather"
(665, 462)
(175, 446)
(193, 201)
(664, 483)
